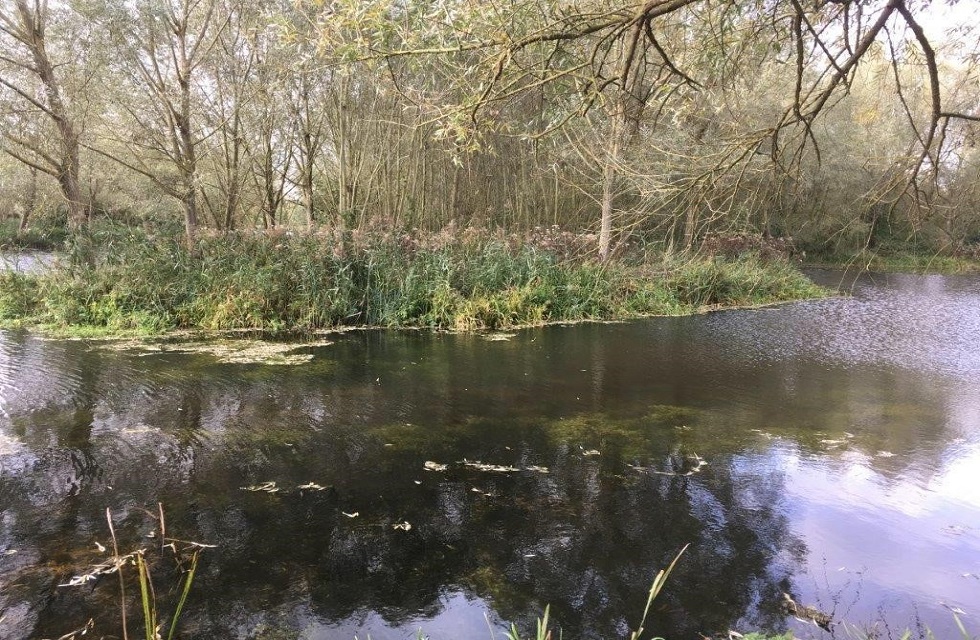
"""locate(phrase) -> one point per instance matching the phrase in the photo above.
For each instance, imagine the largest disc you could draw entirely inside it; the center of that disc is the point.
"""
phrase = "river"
(827, 449)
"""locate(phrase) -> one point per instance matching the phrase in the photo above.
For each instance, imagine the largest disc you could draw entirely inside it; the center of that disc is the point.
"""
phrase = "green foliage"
(44, 234)
(745, 281)
(542, 632)
(18, 295)
(899, 261)
(125, 280)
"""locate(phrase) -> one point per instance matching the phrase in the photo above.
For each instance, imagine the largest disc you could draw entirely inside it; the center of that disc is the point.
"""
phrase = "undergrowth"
(43, 236)
(122, 279)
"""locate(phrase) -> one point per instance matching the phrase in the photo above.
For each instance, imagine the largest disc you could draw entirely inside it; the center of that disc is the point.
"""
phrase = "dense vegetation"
(119, 278)
(354, 133)
(845, 125)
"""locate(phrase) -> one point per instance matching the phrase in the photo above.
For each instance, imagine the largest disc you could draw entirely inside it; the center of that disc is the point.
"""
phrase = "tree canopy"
(835, 121)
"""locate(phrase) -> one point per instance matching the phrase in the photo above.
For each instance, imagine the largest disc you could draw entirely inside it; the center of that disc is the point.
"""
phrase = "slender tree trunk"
(186, 142)
(30, 201)
(306, 181)
(190, 217)
(690, 226)
(609, 173)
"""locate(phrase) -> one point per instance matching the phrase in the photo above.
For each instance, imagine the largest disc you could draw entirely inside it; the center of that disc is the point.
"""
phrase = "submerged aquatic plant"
(155, 623)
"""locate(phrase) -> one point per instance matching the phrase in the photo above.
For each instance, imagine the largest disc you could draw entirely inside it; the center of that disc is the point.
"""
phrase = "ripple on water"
(841, 439)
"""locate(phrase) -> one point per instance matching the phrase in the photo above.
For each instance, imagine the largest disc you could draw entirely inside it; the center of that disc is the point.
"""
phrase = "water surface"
(827, 449)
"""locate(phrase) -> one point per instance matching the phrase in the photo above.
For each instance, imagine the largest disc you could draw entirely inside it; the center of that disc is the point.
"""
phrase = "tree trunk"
(30, 201)
(33, 23)
(190, 217)
(185, 136)
(307, 187)
(70, 185)
(690, 226)
(609, 179)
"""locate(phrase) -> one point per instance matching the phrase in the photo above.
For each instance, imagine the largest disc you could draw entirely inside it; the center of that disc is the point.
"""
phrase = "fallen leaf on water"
(494, 337)
(311, 486)
(268, 487)
(699, 463)
(480, 466)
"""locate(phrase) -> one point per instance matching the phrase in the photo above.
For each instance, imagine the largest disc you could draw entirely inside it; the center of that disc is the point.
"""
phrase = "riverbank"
(119, 281)
(901, 262)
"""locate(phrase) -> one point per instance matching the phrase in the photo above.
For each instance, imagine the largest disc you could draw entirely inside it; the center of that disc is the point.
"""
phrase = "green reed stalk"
(188, 580)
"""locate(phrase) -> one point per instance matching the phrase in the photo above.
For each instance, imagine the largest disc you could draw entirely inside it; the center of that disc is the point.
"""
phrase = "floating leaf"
(480, 466)
(268, 487)
(310, 486)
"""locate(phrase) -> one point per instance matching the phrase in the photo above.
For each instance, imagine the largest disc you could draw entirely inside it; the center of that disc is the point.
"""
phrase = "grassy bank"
(907, 262)
(38, 237)
(119, 280)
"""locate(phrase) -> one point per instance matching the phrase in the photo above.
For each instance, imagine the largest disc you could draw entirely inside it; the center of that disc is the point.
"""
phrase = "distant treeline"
(844, 125)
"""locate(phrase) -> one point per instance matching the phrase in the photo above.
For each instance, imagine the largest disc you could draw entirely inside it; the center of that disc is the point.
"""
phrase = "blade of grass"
(147, 598)
(122, 582)
(658, 584)
(188, 580)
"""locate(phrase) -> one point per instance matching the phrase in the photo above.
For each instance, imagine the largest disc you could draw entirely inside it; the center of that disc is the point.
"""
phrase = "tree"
(24, 51)
(592, 54)
(163, 46)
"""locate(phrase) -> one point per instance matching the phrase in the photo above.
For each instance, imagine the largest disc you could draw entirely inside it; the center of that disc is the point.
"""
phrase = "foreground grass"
(122, 280)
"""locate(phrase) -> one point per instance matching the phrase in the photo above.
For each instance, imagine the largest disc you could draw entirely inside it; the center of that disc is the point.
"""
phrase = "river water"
(827, 449)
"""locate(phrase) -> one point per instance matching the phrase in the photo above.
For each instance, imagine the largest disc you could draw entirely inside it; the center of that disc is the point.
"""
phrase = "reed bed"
(123, 279)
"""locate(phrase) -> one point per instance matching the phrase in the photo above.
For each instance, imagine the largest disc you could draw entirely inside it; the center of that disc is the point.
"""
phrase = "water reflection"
(841, 439)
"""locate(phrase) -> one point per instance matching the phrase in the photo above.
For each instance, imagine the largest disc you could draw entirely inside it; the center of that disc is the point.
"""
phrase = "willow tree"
(40, 129)
(637, 62)
(154, 128)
